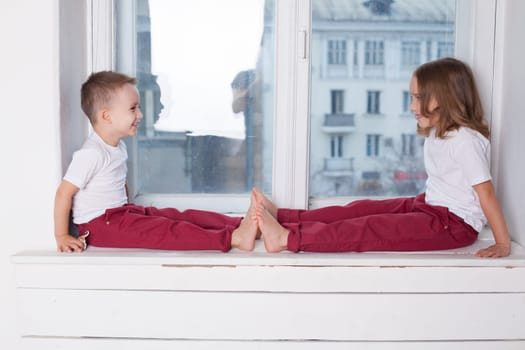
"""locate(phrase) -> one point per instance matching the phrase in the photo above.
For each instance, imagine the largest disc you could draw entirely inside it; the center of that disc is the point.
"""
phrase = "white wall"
(29, 144)
(30, 147)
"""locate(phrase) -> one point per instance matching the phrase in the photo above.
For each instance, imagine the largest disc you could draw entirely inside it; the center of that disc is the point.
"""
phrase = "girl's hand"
(497, 250)
(69, 244)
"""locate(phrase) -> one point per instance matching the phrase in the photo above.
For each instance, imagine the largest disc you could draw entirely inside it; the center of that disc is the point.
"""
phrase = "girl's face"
(424, 121)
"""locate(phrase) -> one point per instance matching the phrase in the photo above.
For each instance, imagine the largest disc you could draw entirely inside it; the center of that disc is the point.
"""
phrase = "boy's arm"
(492, 210)
(63, 202)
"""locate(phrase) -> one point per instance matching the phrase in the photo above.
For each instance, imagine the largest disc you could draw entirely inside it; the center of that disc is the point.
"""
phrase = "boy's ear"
(104, 115)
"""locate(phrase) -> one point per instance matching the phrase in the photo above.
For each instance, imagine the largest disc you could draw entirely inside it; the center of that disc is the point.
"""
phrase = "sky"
(198, 47)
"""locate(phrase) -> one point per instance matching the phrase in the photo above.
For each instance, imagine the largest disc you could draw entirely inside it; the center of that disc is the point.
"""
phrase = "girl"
(459, 197)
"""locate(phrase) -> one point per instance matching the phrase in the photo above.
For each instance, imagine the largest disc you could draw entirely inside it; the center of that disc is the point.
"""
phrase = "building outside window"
(408, 144)
(410, 53)
(388, 40)
(374, 52)
(337, 52)
(406, 101)
(373, 102)
(337, 101)
(372, 145)
(445, 49)
(336, 146)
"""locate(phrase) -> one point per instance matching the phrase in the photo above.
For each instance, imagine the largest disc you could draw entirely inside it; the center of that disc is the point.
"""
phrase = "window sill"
(214, 296)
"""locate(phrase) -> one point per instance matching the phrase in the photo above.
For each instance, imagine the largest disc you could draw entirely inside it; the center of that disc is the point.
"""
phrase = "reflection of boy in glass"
(242, 89)
(244, 95)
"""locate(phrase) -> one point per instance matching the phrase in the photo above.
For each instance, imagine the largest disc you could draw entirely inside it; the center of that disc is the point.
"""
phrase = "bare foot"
(265, 201)
(274, 235)
(243, 237)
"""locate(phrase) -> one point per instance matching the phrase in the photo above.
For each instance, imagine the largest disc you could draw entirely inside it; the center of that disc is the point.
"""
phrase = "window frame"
(474, 43)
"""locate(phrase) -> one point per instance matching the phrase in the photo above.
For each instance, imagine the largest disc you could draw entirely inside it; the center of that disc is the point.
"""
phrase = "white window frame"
(474, 43)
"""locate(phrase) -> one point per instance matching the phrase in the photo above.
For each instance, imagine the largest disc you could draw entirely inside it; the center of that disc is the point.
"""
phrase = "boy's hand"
(69, 244)
(497, 250)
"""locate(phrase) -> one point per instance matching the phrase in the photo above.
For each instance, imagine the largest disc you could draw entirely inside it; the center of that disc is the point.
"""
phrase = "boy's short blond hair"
(98, 89)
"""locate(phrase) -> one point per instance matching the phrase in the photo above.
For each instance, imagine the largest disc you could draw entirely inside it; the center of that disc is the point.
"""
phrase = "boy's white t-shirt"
(455, 164)
(99, 171)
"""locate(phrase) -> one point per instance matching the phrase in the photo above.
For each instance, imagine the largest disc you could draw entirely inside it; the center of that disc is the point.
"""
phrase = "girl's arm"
(492, 210)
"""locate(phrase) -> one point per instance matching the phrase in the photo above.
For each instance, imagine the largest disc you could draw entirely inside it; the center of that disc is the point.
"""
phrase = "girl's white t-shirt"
(99, 171)
(454, 165)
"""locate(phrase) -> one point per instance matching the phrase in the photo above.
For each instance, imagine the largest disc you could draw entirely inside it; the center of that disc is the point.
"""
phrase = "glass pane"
(366, 144)
(205, 75)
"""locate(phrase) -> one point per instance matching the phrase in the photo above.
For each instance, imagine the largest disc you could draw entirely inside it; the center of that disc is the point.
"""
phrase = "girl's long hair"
(452, 84)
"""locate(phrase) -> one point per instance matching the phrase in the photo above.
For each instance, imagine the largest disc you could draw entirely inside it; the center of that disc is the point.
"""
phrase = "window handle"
(303, 37)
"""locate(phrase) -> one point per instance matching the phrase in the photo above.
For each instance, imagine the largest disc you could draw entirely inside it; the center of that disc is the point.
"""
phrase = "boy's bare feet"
(265, 201)
(243, 237)
(274, 235)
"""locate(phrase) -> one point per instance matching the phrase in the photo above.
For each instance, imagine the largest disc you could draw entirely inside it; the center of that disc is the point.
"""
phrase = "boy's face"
(124, 111)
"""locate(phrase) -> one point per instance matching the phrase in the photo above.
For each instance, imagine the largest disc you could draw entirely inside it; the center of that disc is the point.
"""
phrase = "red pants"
(133, 226)
(400, 224)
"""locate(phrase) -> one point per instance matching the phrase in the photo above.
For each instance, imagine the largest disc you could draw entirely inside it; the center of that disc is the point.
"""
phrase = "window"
(384, 56)
(406, 101)
(410, 53)
(408, 144)
(374, 53)
(445, 49)
(299, 64)
(205, 77)
(372, 145)
(336, 146)
(337, 52)
(373, 102)
(337, 103)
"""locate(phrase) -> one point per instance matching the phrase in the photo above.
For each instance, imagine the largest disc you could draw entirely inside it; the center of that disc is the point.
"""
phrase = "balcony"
(338, 166)
(339, 123)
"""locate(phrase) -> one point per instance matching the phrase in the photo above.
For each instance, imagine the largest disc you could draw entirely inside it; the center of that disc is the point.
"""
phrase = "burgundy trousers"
(399, 224)
(132, 226)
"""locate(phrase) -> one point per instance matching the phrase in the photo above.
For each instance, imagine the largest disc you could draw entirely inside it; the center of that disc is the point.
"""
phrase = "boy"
(94, 187)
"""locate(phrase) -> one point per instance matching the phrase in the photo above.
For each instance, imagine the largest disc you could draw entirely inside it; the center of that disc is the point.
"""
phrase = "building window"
(429, 50)
(336, 146)
(374, 52)
(445, 49)
(337, 98)
(356, 51)
(408, 144)
(337, 52)
(410, 53)
(373, 102)
(372, 145)
(406, 101)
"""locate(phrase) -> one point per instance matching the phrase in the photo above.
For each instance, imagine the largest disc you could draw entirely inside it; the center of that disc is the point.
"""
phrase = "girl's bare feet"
(265, 201)
(243, 237)
(274, 235)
